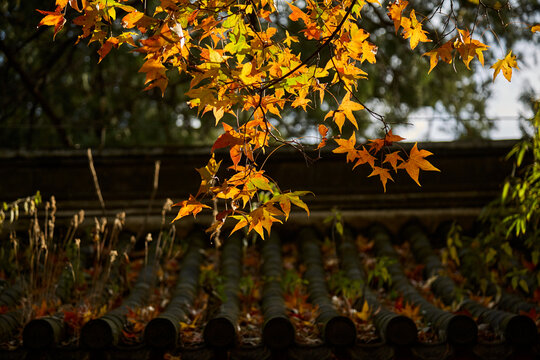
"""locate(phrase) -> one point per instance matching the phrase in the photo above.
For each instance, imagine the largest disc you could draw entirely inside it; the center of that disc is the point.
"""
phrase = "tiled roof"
(306, 292)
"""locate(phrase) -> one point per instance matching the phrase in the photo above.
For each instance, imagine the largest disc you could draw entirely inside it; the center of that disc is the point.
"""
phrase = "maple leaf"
(323, 130)
(155, 74)
(416, 162)
(443, 52)
(189, 207)
(300, 101)
(410, 311)
(106, 47)
(289, 38)
(413, 29)
(469, 48)
(298, 14)
(391, 138)
(259, 181)
(229, 138)
(364, 157)
(535, 28)
(259, 220)
(347, 147)
(395, 11)
(346, 107)
(87, 21)
(207, 173)
(506, 66)
(376, 145)
(393, 158)
(286, 199)
(53, 18)
(365, 313)
(383, 173)
(245, 74)
(131, 19)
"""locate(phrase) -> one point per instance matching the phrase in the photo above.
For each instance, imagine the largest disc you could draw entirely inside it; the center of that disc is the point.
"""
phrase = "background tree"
(56, 95)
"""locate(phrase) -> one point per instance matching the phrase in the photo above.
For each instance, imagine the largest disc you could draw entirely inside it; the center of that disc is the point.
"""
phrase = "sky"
(504, 105)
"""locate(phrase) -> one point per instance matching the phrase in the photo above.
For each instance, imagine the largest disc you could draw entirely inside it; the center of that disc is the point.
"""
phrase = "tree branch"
(315, 53)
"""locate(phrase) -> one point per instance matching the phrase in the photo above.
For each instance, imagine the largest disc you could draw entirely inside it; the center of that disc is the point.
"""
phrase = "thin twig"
(157, 167)
(96, 182)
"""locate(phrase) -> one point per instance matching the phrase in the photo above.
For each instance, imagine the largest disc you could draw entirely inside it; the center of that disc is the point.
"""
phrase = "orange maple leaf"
(391, 138)
(298, 14)
(323, 131)
(131, 19)
(53, 18)
(393, 158)
(416, 162)
(395, 12)
(364, 157)
(233, 140)
(506, 66)
(384, 175)
(376, 144)
(106, 47)
(189, 207)
(155, 74)
(347, 147)
(443, 52)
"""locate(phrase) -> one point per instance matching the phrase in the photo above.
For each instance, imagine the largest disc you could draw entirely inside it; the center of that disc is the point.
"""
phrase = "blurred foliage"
(55, 94)
(508, 245)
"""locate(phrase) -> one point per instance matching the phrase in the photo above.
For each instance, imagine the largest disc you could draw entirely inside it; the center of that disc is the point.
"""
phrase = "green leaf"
(506, 248)
(339, 228)
(523, 285)
(505, 191)
(261, 183)
(490, 255)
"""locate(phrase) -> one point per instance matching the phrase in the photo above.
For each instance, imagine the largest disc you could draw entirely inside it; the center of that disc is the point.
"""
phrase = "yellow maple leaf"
(347, 147)
(365, 313)
(289, 38)
(347, 106)
(506, 66)
(384, 175)
(207, 174)
(410, 311)
(469, 48)
(413, 29)
(416, 162)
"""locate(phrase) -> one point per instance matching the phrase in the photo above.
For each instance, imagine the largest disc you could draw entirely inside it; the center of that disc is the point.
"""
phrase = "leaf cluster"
(244, 72)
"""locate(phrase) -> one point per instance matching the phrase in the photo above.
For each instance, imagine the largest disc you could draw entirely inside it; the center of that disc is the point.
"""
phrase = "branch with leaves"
(247, 68)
